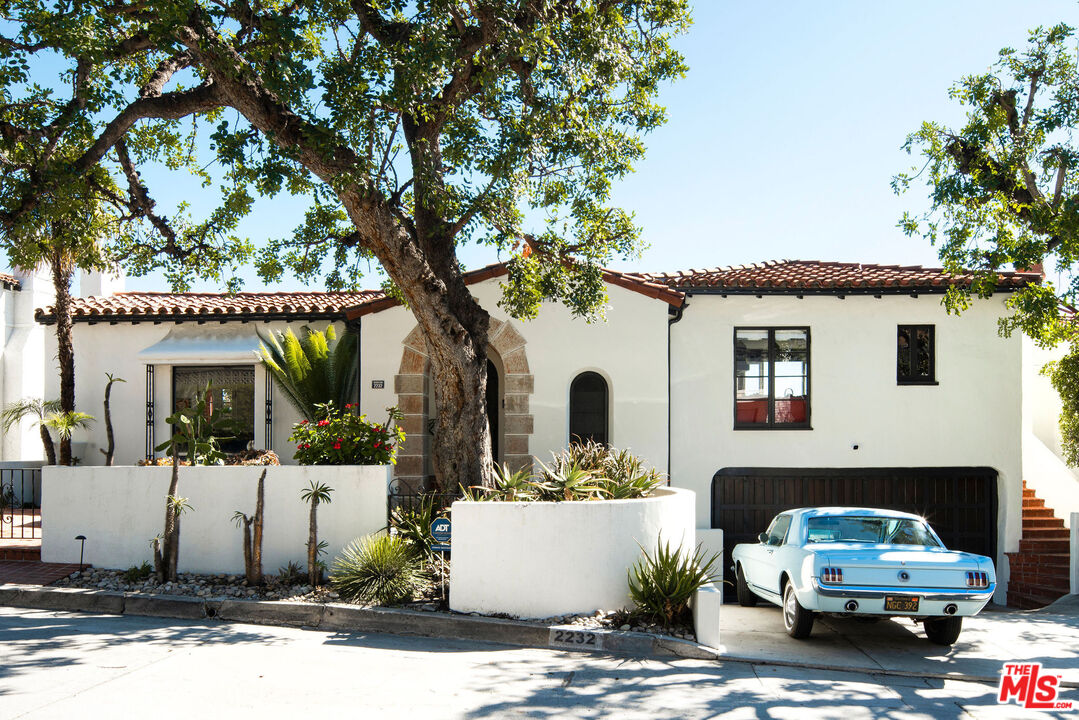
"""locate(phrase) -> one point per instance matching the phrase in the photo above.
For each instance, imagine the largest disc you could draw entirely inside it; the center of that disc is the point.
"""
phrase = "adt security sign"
(440, 533)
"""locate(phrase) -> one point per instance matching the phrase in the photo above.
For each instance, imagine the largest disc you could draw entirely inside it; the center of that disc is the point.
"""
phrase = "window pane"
(232, 387)
(792, 376)
(903, 353)
(751, 376)
(922, 352)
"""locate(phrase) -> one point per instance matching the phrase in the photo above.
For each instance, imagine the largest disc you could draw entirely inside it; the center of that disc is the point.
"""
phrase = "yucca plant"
(318, 369)
(377, 569)
(662, 583)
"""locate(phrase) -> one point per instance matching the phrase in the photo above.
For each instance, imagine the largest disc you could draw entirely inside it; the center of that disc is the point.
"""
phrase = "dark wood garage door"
(960, 503)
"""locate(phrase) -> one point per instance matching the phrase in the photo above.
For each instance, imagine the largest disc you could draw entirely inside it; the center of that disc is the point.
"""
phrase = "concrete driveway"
(1049, 636)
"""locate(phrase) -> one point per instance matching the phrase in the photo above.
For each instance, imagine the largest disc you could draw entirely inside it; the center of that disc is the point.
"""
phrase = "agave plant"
(414, 523)
(318, 369)
(661, 584)
(564, 481)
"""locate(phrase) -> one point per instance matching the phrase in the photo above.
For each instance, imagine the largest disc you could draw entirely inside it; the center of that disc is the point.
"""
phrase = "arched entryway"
(508, 403)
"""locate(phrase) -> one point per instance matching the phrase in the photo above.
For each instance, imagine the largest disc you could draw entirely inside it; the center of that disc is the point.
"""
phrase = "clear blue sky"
(783, 138)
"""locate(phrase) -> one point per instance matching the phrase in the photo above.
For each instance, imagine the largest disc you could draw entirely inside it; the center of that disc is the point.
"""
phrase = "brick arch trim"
(412, 390)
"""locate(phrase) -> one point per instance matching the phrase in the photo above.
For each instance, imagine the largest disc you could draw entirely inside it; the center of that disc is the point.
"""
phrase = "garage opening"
(960, 503)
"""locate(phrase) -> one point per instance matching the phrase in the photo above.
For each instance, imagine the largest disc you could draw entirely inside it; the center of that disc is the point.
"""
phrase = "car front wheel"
(943, 631)
(746, 598)
(796, 619)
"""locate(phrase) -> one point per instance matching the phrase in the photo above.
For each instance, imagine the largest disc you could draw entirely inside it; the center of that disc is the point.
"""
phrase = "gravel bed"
(234, 587)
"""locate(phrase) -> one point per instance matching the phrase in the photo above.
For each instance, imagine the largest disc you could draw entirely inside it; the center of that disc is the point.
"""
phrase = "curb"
(343, 617)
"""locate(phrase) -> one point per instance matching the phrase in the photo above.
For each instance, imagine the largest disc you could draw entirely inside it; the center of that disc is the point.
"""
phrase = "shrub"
(414, 523)
(661, 585)
(138, 573)
(291, 574)
(343, 437)
(377, 569)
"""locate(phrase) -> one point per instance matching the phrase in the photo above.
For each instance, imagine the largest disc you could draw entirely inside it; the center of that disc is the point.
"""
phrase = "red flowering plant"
(341, 436)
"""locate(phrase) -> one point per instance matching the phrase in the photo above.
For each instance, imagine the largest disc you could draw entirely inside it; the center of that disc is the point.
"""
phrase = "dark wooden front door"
(960, 503)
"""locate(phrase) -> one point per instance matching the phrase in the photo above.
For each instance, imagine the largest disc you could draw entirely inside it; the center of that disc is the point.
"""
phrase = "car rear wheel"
(943, 631)
(796, 619)
(746, 598)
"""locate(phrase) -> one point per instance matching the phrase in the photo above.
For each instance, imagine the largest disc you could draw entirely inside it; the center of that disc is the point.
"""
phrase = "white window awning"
(203, 345)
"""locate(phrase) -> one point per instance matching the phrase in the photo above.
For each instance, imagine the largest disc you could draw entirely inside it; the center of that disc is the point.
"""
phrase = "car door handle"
(769, 551)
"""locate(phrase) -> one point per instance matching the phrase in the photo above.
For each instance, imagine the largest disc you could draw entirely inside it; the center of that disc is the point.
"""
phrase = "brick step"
(1044, 546)
(1028, 493)
(1038, 512)
(1046, 534)
(1030, 602)
(1044, 558)
(1034, 502)
(21, 554)
(1030, 523)
(1023, 583)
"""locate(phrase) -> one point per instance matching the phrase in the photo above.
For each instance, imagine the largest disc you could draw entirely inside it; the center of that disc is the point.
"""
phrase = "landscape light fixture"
(82, 546)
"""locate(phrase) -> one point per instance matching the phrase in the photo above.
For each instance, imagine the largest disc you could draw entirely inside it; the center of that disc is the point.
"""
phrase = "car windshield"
(875, 530)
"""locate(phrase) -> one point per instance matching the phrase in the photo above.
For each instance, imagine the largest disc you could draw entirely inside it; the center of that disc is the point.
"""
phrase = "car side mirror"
(763, 537)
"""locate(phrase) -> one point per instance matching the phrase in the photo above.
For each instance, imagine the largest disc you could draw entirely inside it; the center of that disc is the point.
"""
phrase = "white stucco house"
(759, 388)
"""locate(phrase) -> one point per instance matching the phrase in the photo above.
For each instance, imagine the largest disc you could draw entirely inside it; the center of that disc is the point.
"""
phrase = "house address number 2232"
(576, 639)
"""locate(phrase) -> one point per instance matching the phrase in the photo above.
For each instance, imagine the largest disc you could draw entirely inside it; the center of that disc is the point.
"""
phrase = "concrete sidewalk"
(1049, 636)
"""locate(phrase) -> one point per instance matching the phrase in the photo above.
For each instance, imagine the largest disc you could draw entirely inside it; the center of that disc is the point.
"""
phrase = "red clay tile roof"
(825, 277)
(9, 282)
(629, 281)
(138, 306)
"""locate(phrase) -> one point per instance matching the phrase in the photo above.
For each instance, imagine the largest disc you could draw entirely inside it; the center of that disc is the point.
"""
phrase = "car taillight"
(977, 579)
(831, 575)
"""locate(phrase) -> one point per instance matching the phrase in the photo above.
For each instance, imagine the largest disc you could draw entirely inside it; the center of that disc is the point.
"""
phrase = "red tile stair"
(1039, 571)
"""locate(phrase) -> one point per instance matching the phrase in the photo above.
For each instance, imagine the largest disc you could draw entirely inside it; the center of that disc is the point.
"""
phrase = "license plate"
(901, 603)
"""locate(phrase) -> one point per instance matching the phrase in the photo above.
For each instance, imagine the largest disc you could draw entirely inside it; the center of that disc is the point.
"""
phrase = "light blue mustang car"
(862, 562)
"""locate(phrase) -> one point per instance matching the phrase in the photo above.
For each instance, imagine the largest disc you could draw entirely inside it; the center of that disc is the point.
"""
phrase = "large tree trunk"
(61, 280)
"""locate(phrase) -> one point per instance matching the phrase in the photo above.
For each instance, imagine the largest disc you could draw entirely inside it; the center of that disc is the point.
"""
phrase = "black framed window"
(233, 386)
(915, 362)
(771, 378)
(588, 408)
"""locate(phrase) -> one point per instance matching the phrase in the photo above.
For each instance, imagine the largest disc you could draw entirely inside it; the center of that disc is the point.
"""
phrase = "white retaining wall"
(119, 509)
(542, 559)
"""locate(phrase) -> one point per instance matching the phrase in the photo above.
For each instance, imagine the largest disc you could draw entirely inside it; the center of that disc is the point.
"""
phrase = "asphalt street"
(64, 665)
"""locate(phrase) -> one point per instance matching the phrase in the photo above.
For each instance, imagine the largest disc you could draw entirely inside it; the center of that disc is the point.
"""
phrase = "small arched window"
(588, 408)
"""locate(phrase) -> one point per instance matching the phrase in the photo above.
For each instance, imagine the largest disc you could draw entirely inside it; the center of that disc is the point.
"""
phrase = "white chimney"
(98, 283)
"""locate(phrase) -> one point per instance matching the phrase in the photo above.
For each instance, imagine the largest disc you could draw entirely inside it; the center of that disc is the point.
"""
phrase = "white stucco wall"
(27, 360)
(543, 559)
(1044, 467)
(103, 348)
(119, 509)
(972, 418)
(629, 350)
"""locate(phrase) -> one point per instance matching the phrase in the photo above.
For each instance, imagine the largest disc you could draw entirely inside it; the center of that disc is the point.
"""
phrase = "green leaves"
(319, 369)
(661, 583)
(1004, 188)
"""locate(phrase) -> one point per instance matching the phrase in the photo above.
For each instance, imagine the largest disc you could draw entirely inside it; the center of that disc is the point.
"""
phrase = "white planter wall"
(543, 559)
(119, 509)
